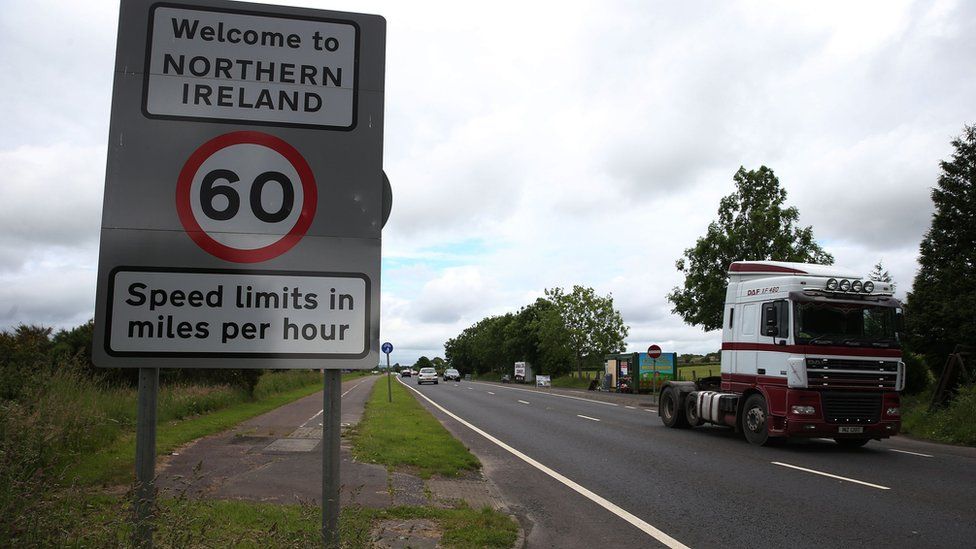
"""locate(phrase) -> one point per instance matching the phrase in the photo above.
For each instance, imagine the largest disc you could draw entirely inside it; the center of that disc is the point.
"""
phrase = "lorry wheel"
(691, 412)
(754, 420)
(852, 442)
(671, 413)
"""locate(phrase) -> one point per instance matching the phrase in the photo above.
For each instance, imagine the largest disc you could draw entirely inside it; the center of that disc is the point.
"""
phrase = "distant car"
(451, 374)
(506, 379)
(427, 375)
(404, 373)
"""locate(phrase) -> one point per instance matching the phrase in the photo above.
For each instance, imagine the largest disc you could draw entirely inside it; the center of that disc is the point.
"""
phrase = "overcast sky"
(540, 144)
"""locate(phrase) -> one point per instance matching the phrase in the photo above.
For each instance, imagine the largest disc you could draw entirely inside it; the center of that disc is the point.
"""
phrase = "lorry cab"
(807, 351)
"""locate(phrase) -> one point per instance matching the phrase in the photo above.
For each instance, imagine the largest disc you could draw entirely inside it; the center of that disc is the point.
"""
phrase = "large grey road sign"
(243, 190)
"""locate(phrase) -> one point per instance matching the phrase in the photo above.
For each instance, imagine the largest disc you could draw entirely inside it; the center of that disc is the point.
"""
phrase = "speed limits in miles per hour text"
(171, 312)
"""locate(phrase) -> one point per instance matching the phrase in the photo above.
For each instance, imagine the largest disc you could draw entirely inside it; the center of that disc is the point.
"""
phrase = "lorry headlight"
(869, 286)
(856, 286)
(803, 410)
(832, 284)
(893, 411)
(845, 285)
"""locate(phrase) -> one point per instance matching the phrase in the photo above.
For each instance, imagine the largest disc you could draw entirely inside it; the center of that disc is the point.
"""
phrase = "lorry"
(808, 351)
(523, 373)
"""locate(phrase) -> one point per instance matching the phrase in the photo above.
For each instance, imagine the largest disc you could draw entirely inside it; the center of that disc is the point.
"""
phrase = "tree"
(423, 362)
(752, 224)
(592, 326)
(880, 274)
(943, 297)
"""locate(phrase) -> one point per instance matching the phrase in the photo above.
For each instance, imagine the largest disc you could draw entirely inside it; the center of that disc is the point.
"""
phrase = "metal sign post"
(244, 202)
(145, 489)
(387, 349)
(331, 433)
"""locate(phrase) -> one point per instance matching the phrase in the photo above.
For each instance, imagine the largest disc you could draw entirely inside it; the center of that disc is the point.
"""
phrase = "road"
(587, 472)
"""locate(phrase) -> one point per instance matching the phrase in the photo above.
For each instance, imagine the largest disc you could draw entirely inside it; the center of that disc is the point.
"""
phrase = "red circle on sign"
(229, 253)
(653, 351)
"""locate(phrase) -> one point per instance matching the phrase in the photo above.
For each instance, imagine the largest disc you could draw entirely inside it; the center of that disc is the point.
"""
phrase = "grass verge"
(403, 433)
(953, 424)
(97, 520)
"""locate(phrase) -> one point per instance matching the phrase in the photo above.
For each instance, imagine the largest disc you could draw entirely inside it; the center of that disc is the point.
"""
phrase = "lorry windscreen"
(851, 324)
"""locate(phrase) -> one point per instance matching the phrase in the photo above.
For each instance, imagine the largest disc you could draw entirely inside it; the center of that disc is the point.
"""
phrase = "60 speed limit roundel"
(246, 196)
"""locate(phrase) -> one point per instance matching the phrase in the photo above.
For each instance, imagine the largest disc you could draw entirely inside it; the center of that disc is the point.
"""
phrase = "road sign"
(654, 351)
(246, 183)
(244, 195)
(387, 347)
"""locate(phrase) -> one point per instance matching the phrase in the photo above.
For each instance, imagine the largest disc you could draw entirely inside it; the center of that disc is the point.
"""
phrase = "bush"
(918, 376)
(953, 424)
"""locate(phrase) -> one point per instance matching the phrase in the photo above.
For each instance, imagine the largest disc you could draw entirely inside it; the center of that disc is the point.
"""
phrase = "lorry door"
(748, 332)
(728, 335)
(774, 328)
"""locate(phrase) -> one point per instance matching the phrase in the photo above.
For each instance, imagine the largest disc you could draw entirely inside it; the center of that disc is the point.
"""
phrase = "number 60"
(209, 191)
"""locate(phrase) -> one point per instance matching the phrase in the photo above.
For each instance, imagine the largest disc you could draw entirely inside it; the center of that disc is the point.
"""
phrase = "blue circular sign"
(387, 347)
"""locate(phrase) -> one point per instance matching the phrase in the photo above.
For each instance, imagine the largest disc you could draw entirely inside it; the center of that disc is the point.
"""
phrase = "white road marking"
(912, 453)
(523, 402)
(838, 477)
(317, 414)
(650, 410)
(635, 521)
(490, 393)
(560, 396)
(587, 417)
(470, 388)
(630, 407)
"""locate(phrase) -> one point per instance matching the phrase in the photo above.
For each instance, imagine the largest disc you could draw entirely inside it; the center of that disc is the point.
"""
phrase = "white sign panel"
(272, 314)
(543, 381)
(237, 66)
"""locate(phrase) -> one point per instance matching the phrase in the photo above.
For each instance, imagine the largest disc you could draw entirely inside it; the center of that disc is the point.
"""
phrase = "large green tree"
(942, 304)
(753, 224)
(592, 326)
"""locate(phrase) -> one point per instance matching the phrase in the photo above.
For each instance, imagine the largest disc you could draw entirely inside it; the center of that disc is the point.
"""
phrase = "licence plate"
(850, 429)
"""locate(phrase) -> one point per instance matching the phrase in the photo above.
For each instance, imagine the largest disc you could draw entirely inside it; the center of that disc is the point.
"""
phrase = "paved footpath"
(277, 457)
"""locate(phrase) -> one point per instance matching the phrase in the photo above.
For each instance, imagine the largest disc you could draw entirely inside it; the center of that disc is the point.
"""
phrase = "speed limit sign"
(244, 190)
(246, 196)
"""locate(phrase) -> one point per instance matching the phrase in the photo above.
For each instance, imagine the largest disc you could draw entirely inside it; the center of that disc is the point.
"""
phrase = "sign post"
(244, 201)
(387, 349)
(653, 352)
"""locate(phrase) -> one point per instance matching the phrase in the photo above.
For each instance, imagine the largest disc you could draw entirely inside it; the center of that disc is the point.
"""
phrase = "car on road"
(451, 374)
(405, 373)
(427, 375)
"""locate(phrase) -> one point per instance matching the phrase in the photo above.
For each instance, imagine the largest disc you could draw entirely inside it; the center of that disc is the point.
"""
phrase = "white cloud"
(530, 148)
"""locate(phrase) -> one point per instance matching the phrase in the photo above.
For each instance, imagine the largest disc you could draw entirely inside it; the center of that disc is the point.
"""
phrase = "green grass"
(402, 433)
(571, 382)
(463, 527)
(114, 463)
(697, 371)
(953, 424)
(99, 520)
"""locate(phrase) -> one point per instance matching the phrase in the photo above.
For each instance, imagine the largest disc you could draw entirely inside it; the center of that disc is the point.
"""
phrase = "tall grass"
(64, 415)
(953, 424)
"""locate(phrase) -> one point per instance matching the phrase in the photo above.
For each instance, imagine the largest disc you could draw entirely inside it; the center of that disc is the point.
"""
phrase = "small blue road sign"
(387, 347)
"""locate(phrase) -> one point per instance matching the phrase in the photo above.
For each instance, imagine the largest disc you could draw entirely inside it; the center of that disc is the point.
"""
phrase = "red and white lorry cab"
(807, 351)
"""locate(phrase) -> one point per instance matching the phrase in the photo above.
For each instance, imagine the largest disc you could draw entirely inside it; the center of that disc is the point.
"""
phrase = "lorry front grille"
(851, 408)
(832, 373)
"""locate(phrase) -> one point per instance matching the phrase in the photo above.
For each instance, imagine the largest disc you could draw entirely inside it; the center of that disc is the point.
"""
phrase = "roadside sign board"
(243, 190)
(387, 348)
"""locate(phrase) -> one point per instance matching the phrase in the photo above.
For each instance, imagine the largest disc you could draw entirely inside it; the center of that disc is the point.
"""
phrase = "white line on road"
(562, 396)
(630, 407)
(471, 388)
(587, 417)
(317, 414)
(523, 402)
(490, 393)
(582, 490)
(649, 410)
(912, 453)
(855, 481)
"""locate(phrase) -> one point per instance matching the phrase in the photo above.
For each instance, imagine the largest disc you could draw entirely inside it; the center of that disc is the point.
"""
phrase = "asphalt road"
(587, 473)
